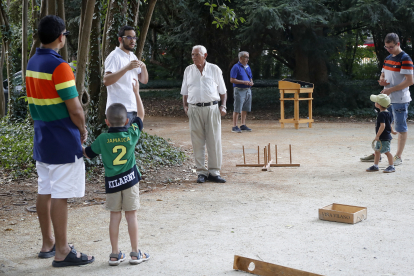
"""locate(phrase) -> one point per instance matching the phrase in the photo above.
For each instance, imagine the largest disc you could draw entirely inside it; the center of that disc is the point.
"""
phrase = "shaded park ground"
(196, 229)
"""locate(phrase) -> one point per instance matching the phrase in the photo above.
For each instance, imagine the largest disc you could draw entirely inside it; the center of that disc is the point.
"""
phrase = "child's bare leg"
(114, 222)
(131, 217)
(390, 158)
(377, 158)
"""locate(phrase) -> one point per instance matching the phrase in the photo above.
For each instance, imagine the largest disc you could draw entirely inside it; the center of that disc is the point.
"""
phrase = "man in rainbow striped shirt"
(59, 125)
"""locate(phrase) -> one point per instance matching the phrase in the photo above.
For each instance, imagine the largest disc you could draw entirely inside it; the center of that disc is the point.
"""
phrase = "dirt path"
(196, 229)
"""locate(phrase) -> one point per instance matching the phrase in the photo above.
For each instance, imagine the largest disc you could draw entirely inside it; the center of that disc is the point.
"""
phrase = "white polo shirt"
(121, 91)
(203, 88)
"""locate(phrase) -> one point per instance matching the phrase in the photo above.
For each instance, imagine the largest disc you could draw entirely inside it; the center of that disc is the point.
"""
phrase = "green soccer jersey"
(118, 155)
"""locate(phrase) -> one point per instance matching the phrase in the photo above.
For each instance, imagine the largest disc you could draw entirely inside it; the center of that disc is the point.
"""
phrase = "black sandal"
(47, 254)
(72, 260)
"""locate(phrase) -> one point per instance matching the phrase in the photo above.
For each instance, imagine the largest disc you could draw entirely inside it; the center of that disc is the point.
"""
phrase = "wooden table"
(296, 88)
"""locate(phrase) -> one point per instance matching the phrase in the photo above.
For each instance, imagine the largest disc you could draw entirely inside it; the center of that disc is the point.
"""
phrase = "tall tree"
(61, 13)
(25, 13)
(51, 7)
(6, 44)
(115, 19)
(144, 28)
(95, 56)
(83, 50)
(2, 98)
(36, 18)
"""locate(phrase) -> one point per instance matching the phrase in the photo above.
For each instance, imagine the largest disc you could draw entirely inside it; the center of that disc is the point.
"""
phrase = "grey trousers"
(205, 129)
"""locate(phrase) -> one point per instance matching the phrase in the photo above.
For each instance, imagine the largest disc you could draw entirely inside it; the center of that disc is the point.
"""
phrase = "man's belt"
(206, 104)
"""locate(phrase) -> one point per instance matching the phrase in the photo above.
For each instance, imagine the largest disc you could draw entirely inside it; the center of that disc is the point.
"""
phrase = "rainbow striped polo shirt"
(49, 82)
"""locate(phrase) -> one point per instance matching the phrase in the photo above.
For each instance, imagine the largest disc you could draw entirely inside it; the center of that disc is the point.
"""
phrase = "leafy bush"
(16, 146)
(16, 150)
(152, 150)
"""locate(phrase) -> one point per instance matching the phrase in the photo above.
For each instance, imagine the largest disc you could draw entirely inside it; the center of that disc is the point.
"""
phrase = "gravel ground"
(196, 229)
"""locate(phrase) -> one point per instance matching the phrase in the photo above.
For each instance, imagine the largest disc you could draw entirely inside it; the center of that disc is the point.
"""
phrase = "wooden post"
(290, 153)
(276, 153)
(258, 155)
(244, 156)
(265, 155)
(310, 109)
(268, 152)
(296, 109)
(282, 108)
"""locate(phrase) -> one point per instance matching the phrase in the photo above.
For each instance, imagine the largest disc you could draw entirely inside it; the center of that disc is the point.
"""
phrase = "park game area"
(270, 216)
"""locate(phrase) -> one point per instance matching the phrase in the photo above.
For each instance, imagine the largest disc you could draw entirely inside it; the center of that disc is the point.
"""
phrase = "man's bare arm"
(236, 81)
(223, 99)
(140, 106)
(77, 116)
(112, 77)
(407, 82)
(185, 103)
(143, 77)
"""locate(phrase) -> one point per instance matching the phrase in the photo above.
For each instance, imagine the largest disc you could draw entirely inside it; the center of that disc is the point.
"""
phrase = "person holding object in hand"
(396, 77)
(242, 79)
(121, 68)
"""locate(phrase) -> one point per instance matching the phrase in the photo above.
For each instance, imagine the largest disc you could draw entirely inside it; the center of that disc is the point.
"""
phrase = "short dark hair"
(392, 37)
(50, 28)
(116, 114)
(121, 32)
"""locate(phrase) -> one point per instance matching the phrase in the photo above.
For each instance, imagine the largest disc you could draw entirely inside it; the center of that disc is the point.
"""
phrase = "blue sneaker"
(373, 169)
(389, 169)
(236, 129)
(245, 128)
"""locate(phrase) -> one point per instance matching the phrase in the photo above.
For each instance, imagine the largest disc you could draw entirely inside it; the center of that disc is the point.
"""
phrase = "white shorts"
(61, 180)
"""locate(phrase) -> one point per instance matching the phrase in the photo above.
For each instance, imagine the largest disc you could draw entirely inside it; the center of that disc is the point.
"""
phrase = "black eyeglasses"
(390, 48)
(130, 37)
(66, 33)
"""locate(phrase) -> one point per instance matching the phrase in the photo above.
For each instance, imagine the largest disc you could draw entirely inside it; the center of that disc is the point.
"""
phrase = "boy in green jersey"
(121, 174)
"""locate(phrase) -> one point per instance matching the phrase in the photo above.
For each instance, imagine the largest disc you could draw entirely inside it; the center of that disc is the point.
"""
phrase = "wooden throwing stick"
(266, 269)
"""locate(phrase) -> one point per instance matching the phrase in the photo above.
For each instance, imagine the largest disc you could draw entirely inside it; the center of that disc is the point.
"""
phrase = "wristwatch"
(224, 107)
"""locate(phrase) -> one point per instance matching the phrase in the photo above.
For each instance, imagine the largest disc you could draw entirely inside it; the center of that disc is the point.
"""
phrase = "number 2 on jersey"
(117, 160)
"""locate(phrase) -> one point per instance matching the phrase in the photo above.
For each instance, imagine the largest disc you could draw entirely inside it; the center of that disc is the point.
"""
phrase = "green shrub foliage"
(16, 150)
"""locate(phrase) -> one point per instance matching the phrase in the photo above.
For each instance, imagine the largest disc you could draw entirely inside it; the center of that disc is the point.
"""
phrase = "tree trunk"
(135, 11)
(36, 41)
(110, 41)
(95, 57)
(61, 14)
(378, 35)
(104, 35)
(144, 28)
(301, 70)
(5, 22)
(51, 7)
(82, 19)
(83, 52)
(25, 12)
(2, 98)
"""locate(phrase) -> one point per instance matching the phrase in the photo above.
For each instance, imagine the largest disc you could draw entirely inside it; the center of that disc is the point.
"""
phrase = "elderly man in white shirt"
(202, 89)
(122, 67)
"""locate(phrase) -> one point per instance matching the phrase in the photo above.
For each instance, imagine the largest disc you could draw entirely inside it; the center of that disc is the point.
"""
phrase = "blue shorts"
(383, 147)
(399, 114)
(242, 99)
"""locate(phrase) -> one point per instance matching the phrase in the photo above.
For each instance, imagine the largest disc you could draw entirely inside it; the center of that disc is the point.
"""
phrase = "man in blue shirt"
(242, 79)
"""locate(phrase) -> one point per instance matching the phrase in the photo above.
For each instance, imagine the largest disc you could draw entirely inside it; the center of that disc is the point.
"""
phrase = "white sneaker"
(397, 160)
